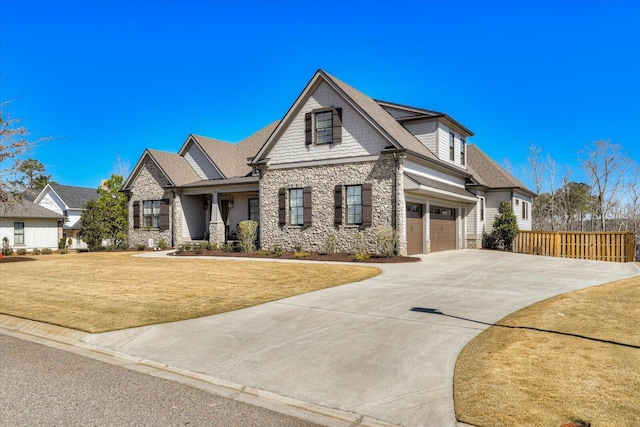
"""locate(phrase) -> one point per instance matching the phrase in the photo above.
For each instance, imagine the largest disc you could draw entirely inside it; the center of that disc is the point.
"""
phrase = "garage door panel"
(442, 228)
(415, 229)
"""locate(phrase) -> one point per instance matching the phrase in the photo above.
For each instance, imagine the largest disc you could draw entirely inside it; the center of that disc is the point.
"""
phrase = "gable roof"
(488, 173)
(174, 167)
(232, 159)
(19, 208)
(421, 114)
(74, 197)
(398, 137)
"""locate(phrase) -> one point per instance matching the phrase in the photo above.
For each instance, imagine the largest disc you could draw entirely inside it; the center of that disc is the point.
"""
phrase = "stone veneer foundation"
(322, 180)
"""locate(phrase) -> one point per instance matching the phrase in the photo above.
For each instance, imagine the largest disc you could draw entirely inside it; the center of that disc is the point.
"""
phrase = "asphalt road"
(45, 386)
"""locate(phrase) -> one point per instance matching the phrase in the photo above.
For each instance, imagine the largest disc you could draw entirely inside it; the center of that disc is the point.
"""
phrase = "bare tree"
(12, 144)
(606, 165)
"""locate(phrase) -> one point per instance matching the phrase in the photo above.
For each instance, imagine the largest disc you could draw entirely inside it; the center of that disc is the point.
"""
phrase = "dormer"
(442, 135)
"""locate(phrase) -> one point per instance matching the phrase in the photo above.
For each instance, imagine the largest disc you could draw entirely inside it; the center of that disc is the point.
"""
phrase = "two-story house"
(338, 165)
(68, 201)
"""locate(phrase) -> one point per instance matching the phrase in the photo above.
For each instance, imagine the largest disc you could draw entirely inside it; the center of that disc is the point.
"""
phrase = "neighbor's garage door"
(414, 229)
(442, 228)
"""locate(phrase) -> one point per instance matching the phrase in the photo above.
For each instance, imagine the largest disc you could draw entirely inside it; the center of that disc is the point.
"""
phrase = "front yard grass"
(572, 358)
(99, 292)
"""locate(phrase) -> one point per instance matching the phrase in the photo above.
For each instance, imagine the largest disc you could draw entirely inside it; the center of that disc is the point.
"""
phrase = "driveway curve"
(383, 348)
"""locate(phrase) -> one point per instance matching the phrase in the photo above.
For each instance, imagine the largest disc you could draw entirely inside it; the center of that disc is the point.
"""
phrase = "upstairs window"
(18, 233)
(452, 146)
(323, 126)
(463, 149)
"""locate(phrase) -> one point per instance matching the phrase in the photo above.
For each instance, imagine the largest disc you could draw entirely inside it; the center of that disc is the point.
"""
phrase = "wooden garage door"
(414, 229)
(442, 228)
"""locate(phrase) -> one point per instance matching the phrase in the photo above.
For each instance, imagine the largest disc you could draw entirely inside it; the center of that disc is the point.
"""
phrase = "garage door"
(442, 228)
(414, 229)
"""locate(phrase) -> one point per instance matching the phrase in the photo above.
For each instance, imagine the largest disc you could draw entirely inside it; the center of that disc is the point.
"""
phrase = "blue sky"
(108, 79)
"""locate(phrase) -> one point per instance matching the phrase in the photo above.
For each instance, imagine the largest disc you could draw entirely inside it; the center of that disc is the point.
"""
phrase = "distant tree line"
(607, 199)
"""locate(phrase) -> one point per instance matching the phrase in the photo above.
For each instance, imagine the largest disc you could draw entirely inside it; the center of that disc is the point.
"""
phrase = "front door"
(224, 208)
(414, 229)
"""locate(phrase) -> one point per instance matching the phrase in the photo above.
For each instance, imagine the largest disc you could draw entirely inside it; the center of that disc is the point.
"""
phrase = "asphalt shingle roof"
(21, 208)
(488, 173)
(175, 167)
(231, 159)
(75, 197)
(372, 108)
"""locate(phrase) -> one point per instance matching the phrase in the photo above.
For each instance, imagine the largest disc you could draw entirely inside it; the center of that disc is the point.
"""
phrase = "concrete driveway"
(377, 348)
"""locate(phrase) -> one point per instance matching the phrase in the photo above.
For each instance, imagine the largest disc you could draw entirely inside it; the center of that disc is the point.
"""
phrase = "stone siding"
(474, 243)
(322, 180)
(148, 185)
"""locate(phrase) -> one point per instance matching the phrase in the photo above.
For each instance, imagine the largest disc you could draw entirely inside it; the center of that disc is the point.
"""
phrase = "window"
(463, 148)
(296, 207)
(151, 213)
(323, 126)
(354, 204)
(481, 208)
(254, 210)
(452, 146)
(525, 210)
(18, 233)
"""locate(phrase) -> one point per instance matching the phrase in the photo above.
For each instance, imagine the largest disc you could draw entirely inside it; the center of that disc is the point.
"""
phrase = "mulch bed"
(15, 259)
(313, 256)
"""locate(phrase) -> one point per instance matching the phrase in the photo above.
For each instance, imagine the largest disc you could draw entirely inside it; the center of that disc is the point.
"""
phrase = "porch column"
(401, 209)
(216, 227)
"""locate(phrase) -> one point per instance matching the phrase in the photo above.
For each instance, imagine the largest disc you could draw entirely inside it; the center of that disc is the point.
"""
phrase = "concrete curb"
(71, 340)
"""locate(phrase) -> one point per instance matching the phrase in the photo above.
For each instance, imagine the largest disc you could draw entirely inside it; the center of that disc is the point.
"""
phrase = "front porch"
(213, 213)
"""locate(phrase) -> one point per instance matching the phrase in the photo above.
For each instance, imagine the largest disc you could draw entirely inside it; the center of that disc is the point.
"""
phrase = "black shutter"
(337, 125)
(337, 203)
(282, 206)
(136, 214)
(307, 129)
(306, 206)
(367, 204)
(164, 214)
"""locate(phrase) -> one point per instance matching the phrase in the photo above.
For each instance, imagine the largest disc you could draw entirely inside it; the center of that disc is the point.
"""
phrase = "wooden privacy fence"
(599, 246)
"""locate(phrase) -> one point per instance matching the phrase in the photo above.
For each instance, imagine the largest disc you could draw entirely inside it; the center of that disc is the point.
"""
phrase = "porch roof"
(440, 187)
(223, 182)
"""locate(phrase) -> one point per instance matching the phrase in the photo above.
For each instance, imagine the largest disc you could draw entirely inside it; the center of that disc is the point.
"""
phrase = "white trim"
(324, 162)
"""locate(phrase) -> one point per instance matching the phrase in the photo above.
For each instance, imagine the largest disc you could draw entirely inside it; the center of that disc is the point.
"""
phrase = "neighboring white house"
(29, 226)
(70, 202)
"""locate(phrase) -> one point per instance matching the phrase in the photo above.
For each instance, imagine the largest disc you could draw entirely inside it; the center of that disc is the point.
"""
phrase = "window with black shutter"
(164, 214)
(136, 214)
(367, 204)
(307, 205)
(282, 207)
(337, 203)
(323, 126)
